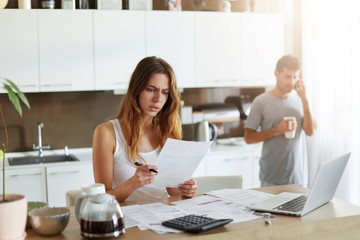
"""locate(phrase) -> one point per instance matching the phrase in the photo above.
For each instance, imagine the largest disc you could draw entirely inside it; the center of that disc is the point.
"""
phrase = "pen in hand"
(140, 164)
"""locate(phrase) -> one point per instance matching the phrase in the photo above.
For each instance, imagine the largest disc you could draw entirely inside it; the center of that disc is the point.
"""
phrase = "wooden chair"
(71, 196)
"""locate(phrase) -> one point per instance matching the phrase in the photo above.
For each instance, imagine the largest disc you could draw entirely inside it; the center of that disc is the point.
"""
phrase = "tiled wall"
(70, 118)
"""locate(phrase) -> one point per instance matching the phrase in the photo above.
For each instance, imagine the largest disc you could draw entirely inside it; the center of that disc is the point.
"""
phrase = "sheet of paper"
(215, 207)
(150, 216)
(178, 161)
(244, 197)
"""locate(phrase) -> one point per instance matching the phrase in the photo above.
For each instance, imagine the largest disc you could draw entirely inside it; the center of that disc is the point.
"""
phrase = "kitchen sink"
(45, 159)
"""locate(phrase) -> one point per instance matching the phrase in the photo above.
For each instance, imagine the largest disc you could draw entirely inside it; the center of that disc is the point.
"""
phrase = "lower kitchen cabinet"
(256, 168)
(30, 182)
(60, 179)
(235, 160)
(231, 164)
(47, 183)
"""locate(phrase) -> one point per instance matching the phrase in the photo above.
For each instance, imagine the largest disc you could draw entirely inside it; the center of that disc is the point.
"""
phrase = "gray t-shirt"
(283, 161)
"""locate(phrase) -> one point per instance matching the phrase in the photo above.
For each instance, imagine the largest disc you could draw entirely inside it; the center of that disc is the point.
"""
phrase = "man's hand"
(300, 89)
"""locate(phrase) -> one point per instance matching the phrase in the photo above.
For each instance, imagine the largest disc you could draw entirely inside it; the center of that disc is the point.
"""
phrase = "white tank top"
(123, 169)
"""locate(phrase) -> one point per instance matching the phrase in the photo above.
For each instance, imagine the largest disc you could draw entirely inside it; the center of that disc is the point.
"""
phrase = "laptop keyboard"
(295, 205)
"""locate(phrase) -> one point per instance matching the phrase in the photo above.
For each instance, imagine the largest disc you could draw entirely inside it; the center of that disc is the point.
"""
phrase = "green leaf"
(20, 94)
(33, 205)
(13, 98)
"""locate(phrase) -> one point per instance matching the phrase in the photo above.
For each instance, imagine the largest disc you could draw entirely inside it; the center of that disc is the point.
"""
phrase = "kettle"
(205, 131)
(102, 217)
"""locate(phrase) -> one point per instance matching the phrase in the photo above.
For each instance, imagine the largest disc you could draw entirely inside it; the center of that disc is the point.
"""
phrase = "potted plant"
(13, 207)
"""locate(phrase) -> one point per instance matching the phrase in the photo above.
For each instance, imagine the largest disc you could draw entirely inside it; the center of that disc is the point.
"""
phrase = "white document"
(215, 207)
(244, 197)
(178, 161)
(150, 216)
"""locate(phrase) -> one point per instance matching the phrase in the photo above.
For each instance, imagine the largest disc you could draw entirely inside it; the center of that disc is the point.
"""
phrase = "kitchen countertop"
(85, 154)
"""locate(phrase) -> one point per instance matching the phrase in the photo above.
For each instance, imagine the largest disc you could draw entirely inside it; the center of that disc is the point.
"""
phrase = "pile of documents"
(225, 203)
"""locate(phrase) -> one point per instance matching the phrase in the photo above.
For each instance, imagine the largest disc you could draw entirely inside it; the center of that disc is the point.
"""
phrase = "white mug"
(290, 134)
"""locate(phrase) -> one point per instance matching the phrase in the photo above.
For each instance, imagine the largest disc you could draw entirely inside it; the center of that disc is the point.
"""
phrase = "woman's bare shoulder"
(105, 129)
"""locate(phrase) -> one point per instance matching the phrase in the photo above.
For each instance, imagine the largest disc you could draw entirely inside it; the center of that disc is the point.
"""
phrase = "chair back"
(71, 197)
(209, 183)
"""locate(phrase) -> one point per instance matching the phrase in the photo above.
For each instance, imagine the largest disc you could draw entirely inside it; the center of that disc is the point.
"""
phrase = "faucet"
(40, 147)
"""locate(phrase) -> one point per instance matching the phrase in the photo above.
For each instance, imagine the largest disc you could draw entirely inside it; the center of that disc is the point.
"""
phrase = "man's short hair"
(288, 61)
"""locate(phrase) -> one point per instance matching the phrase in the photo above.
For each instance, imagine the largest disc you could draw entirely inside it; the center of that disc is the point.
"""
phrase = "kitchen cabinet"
(262, 44)
(256, 167)
(61, 179)
(217, 49)
(232, 160)
(119, 44)
(237, 163)
(19, 49)
(30, 182)
(170, 35)
(65, 50)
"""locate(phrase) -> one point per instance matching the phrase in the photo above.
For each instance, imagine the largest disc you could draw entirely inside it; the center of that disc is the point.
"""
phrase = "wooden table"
(335, 220)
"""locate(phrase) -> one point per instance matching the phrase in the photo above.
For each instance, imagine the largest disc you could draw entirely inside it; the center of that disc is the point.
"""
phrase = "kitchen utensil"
(205, 131)
(49, 221)
(101, 217)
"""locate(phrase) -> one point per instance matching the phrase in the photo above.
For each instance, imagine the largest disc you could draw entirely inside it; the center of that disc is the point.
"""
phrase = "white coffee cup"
(290, 134)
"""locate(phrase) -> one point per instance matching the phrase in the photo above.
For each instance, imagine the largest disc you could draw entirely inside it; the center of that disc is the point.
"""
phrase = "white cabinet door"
(262, 44)
(65, 50)
(30, 182)
(170, 36)
(217, 49)
(235, 163)
(119, 44)
(19, 49)
(256, 168)
(61, 179)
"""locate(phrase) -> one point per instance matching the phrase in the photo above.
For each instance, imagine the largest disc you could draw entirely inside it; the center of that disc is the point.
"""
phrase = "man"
(283, 160)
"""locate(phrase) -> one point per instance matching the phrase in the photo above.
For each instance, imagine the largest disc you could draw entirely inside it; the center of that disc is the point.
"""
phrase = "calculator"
(195, 223)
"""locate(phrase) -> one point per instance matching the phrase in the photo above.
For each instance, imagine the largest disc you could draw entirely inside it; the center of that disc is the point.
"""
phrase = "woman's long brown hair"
(167, 121)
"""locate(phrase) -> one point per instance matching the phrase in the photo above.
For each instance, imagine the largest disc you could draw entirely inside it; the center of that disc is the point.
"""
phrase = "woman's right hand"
(143, 176)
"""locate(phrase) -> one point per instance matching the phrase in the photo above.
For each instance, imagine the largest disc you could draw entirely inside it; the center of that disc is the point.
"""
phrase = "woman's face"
(155, 95)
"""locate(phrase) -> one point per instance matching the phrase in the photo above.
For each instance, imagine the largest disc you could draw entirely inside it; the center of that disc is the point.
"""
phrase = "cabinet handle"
(24, 175)
(235, 159)
(224, 80)
(57, 85)
(70, 172)
(120, 83)
(27, 85)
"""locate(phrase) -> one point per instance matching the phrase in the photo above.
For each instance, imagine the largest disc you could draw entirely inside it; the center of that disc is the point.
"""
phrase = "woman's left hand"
(188, 188)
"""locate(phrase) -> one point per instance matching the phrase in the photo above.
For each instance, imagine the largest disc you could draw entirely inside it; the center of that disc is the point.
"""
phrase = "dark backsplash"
(70, 118)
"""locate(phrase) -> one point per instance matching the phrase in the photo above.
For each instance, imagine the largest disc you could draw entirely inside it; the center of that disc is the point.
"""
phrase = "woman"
(148, 115)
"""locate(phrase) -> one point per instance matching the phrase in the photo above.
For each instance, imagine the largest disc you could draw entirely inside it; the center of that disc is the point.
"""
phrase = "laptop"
(322, 191)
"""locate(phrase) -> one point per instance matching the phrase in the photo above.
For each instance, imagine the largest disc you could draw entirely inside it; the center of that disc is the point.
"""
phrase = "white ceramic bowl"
(49, 221)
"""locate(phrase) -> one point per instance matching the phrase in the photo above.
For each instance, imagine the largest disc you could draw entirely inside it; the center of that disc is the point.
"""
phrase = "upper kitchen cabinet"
(66, 50)
(170, 35)
(262, 44)
(19, 48)
(217, 49)
(119, 44)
